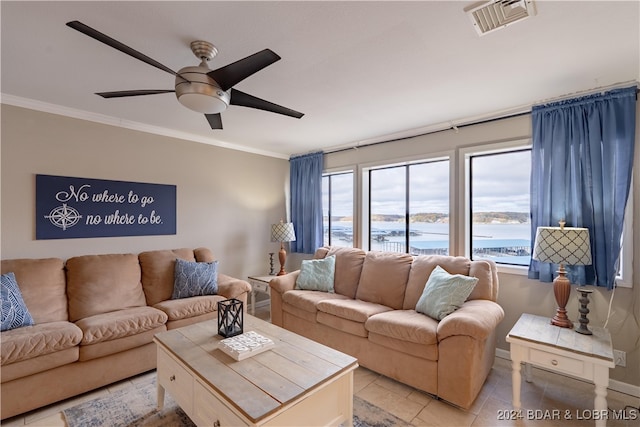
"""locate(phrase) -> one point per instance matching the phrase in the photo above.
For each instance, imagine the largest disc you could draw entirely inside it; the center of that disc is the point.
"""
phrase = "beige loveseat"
(95, 318)
(371, 316)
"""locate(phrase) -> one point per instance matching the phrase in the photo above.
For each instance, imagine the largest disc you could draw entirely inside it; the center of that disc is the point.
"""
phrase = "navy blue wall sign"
(68, 208)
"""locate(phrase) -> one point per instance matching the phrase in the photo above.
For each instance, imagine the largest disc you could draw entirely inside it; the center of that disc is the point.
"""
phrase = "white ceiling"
(360, 71)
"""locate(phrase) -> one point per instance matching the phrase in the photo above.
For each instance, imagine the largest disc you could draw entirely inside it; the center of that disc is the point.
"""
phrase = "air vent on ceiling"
(490, 16)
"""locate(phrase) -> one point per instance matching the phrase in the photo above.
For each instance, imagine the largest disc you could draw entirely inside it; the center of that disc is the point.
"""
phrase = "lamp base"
(561, 319)
(561, 290)
(282, 256)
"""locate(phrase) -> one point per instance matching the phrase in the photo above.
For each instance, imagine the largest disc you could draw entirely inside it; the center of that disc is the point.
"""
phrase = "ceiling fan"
(199, 88)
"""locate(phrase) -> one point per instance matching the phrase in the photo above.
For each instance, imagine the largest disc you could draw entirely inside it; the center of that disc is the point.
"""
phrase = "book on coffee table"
(245, 345)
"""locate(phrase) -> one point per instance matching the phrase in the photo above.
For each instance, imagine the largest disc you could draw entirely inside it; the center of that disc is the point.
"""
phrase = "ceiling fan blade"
(85, 29)
(245, 100)
(215, 120)
(123, 93)
(232, 74)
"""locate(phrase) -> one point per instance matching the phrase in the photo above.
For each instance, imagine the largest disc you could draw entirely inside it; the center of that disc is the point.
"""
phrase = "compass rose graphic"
(64, 216)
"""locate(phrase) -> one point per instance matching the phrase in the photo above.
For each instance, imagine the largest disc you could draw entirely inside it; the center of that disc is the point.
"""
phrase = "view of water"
(505, 243)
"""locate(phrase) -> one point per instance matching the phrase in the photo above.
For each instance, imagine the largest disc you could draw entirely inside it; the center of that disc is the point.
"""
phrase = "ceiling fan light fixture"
(203, 103)
(199, 92)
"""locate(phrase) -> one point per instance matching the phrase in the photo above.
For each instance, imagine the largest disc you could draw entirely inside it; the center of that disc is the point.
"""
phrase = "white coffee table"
(298, 382)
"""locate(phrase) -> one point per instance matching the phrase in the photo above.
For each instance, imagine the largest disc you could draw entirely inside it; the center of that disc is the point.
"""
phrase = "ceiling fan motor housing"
(199, 92)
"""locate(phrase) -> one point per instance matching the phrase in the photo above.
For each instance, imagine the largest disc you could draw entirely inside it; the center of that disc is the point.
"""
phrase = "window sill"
(513, 269)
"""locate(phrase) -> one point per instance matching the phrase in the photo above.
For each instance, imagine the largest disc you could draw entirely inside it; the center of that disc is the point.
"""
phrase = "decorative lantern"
(230, 317)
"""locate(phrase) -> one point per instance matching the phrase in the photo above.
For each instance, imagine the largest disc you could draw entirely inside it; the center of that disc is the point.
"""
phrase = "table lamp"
(282, 232)
(562, 245)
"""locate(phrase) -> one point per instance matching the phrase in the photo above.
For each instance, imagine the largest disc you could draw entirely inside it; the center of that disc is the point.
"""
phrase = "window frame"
(365, 214)
(625, 277)
(465, 155)
(343, 171)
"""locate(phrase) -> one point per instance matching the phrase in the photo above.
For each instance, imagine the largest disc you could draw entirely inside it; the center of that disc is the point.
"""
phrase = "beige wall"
(517, 293)
(226, 199)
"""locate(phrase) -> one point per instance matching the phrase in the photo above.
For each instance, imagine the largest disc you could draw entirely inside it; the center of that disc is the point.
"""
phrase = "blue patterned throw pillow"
(317, 274)
(14, 311)
(195, 279)
(444, 293)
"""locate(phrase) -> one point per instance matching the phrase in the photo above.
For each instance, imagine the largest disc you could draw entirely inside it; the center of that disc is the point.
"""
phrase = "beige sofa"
(95, 318)
(371, 316)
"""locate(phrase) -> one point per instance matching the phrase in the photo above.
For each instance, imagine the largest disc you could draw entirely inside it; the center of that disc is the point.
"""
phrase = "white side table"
(259, 284)
(534, 340)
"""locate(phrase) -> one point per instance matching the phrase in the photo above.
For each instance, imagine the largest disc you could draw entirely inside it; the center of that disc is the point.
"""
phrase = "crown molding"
(60, 110)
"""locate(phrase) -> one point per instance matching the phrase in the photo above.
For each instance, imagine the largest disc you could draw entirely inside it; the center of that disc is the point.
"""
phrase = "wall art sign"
(68, 208)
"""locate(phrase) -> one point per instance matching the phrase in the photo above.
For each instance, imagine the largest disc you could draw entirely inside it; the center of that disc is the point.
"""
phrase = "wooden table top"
(259, 385)
(539, 330)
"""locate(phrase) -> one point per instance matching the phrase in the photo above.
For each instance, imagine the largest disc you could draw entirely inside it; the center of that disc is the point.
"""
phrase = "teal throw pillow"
(444, 293)
(195, 279)
(317, 274)
(14, 311)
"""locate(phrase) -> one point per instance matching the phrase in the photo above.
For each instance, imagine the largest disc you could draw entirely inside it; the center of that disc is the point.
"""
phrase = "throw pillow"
(14, 311)
(317, 274)
(193, 279)
(444, 293)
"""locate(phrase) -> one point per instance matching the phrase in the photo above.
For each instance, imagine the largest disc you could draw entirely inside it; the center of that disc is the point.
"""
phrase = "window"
(499, 219)
(409, 208)
(624, 278)
(337, 209)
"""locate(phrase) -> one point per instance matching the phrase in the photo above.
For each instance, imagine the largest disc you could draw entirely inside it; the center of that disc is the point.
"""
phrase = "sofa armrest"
(476, 318)
(230, 287)
(279, 285)
(284, 283)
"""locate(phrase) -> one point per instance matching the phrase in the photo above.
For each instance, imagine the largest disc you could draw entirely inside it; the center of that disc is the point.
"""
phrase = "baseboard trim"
(614, 385)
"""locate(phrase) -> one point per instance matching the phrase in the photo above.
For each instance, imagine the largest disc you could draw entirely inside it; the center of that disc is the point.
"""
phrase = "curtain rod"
(493, 119)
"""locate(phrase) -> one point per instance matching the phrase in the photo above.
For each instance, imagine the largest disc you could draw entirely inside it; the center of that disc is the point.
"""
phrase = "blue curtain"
(582, 159)
(306, 201)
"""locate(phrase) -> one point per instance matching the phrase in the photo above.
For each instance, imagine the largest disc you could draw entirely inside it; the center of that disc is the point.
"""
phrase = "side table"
(534, 340)
(259, 284)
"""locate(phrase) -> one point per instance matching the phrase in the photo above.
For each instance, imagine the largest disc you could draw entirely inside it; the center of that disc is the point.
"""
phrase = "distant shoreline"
(436, 217)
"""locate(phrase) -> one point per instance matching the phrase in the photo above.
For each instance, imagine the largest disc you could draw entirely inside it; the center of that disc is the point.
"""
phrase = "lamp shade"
(282, 232)
(562, 245)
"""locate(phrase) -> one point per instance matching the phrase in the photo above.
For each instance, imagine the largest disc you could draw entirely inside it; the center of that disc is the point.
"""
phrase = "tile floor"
(549, 395)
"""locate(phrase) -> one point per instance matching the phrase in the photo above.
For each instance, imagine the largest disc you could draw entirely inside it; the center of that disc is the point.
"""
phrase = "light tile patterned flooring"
(550, 395)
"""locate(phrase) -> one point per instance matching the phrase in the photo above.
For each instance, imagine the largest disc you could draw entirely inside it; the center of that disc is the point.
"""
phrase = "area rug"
(135, 406)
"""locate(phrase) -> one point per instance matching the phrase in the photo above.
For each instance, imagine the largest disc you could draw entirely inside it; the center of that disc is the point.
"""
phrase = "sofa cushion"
(341, 324)
(487, 273)
(192, 279)
(121, 323)
(405, 331)
(158, 272)
(14, 311)
(308, 300)
(24, 368)
(106, 348)
(384, 278)
(43, 287)
(203, 255)
(317, 274)
(444, 293)
(98, 284)
(349, 263)
(189, 307)
(38, 340)
(423, 351)
(356, 310)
